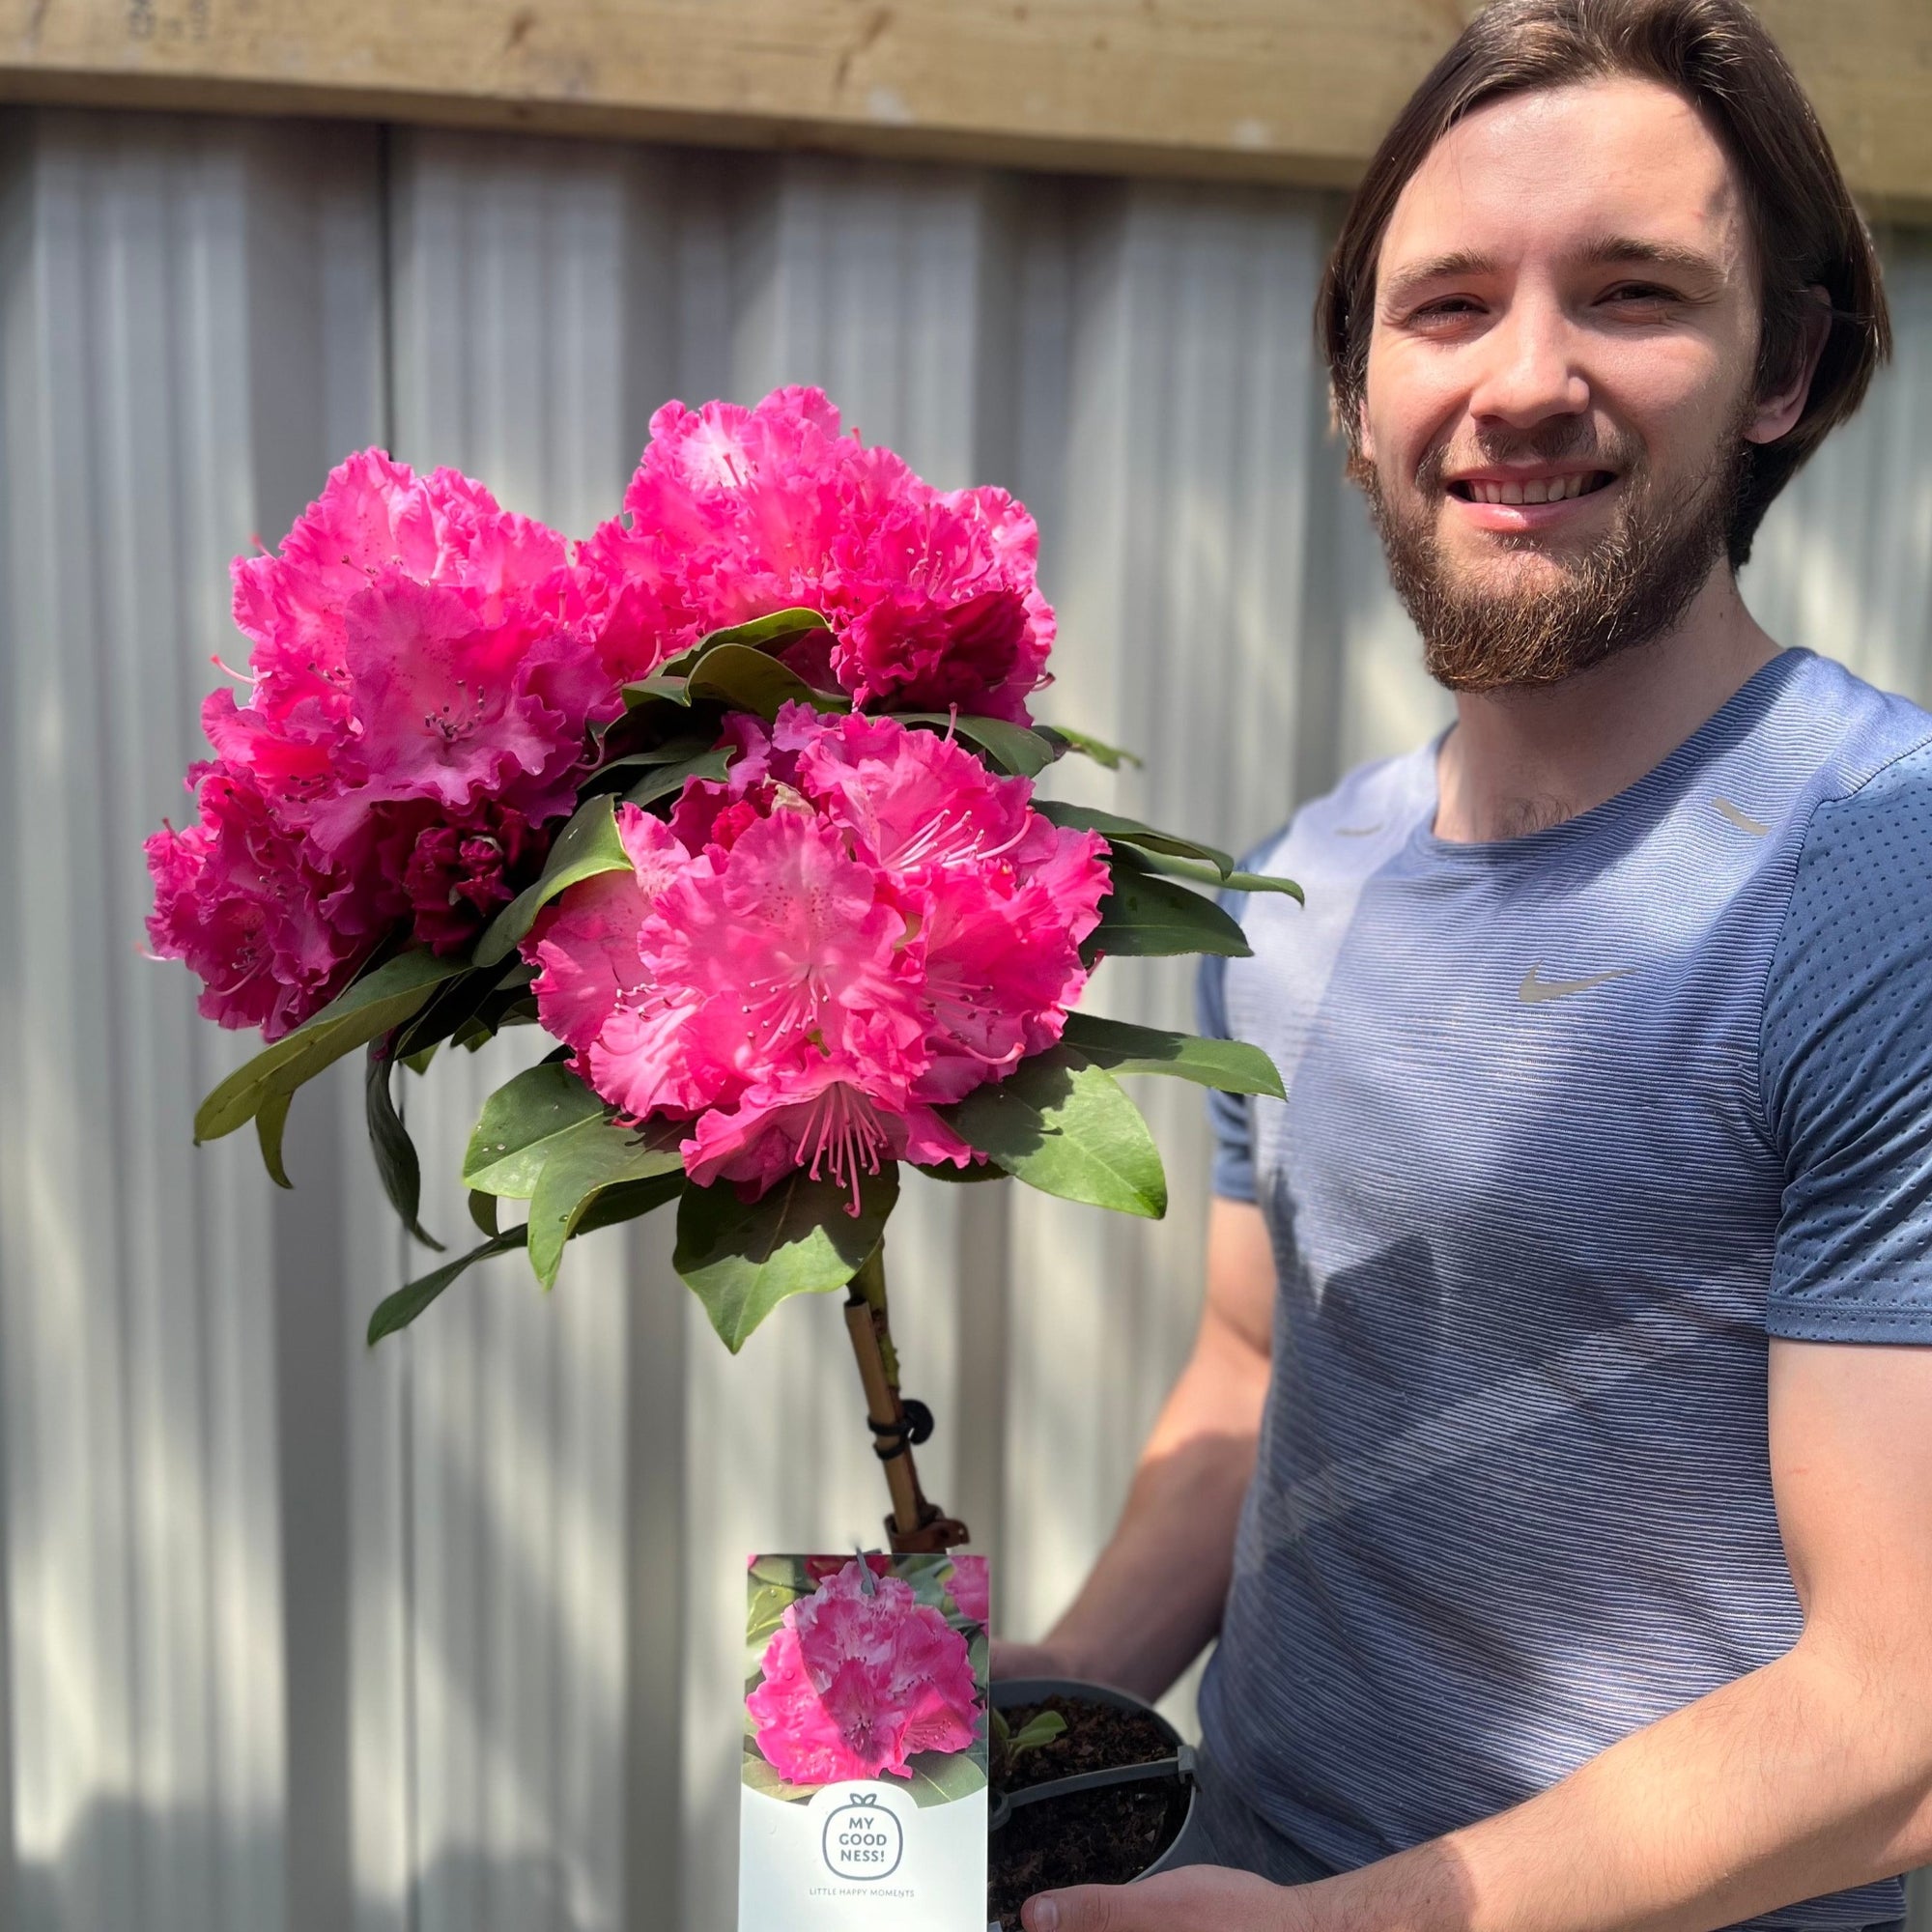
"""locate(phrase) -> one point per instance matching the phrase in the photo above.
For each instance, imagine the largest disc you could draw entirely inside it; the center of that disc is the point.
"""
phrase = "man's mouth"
(1529, 489)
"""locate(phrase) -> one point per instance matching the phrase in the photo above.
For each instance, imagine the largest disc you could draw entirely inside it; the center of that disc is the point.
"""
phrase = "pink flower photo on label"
(858, 1680)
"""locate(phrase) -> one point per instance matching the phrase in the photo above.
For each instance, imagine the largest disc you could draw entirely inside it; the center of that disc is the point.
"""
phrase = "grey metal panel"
(445, 1636)
(148, 1681)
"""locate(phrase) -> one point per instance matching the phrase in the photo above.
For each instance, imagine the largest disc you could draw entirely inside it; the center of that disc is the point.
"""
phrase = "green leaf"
(738, 674)
(943, 1169)
(365, 1011)
(389, 1140)
(1066, 1126)
(661, 688)
(1018, 749)
(522, 1122)
(668, 779)
(1231, 1065)
(1117, 831)
(583, 1161)
(399, 1310)
(1042, 1729)
(769, 633)
(270, 1117)
(418, 1061)
(943, 1778)
(586, 846)
(1203, 875)
(483, 1211)
(629, 1199)
(741, 1262)
(1097, 748)
(1144, 917)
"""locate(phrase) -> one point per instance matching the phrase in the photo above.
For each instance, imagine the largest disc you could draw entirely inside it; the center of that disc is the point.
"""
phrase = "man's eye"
(1446, 308)
(1642, 295)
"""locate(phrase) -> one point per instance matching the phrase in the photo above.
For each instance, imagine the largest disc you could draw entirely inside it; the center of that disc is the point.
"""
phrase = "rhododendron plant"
(861, 1676)
(735, 802)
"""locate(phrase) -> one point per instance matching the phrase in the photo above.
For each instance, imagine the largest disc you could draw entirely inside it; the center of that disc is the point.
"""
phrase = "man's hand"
(1201, 1898)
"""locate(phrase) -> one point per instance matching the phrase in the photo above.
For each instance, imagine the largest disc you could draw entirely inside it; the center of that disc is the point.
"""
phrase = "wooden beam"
(1291, 91)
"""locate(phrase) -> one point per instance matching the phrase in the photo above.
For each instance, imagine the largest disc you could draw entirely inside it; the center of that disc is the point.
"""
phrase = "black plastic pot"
(1010, 1691)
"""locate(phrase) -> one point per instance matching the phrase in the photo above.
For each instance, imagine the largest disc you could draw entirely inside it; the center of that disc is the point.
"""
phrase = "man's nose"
(1529, 370)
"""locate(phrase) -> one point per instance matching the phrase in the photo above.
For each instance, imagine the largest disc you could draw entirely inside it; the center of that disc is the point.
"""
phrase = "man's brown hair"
(1806, 231)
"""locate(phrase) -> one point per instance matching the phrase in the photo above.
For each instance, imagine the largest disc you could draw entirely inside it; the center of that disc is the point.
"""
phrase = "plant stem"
(915, 1525)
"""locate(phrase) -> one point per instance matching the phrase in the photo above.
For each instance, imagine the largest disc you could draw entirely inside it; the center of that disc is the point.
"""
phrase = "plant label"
(865, 1768)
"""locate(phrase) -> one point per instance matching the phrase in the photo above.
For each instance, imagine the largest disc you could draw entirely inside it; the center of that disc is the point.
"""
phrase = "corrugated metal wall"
(444, 1640)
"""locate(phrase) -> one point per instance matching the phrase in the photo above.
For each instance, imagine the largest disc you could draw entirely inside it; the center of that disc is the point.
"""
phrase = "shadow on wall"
(126, 1867)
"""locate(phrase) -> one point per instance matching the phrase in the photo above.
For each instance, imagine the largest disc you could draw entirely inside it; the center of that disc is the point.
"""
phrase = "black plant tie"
(889, 1440)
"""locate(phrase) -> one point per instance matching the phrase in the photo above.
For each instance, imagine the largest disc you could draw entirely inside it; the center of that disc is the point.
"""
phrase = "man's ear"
(1778, 413)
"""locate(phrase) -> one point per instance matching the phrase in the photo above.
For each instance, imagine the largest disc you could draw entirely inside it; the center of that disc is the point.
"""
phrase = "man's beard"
(1632, 585)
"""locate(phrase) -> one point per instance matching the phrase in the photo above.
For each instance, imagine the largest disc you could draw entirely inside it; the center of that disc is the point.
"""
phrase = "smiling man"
(1555, 1459)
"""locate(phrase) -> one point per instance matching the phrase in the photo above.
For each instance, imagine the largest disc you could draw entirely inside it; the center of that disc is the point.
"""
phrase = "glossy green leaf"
(1231, 1065)
(668, 779)
(583, 1162)
(1200, 874)
(1066, 1126)
(661, 687)
(1131, 831)
(586, 847)
(399, 1310)
(943, 1169)
(738, 674)
(1144, 917)
(522, 1122)
(370, 1008)
(270, 1117)
(799, 1239)
(629, 1199)
(1016, 749)
(1111, 756)
(396, 1163)
(772, 631)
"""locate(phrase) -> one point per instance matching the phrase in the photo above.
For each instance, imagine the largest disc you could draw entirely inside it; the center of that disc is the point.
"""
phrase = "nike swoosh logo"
(1357, 831)
(1534, 991)
(1742, 820)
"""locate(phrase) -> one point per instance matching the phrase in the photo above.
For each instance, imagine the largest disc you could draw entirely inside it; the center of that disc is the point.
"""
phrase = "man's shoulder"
(1844, 734)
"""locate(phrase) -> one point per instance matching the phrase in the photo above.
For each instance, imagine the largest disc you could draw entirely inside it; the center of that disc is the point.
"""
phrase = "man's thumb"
(1086, 1908)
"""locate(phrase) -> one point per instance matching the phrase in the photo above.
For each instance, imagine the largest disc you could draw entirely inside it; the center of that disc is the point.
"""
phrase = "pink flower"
(857, 925)
(585, 943)
(421, 695)
(237, 898)
(971, 1588)
(855, 1685)
(734, 513)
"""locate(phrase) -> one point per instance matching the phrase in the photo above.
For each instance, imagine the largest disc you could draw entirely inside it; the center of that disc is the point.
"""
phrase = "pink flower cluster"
(857, 1682)
(858, 924)
(421, 691)
(737, 512)
(425, 671)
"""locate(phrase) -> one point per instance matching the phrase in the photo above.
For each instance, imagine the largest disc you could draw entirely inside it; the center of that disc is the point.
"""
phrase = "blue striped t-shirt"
(1574, 1123)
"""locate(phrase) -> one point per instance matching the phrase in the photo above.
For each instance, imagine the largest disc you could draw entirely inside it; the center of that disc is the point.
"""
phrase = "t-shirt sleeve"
(1228, 1114)
(1847, 1069)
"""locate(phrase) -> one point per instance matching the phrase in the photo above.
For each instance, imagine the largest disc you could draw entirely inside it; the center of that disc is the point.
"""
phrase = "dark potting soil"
(1093, 1837)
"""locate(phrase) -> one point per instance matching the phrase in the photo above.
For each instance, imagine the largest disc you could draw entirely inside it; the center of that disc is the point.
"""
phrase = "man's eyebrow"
(1436, 268)
(1612, 250)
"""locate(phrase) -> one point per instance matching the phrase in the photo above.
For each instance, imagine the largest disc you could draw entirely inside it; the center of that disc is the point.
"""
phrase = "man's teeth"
(1538, 490)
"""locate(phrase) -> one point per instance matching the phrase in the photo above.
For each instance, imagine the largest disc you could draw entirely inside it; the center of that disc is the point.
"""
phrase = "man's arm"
(1154, 1598)
(1810, 1775)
